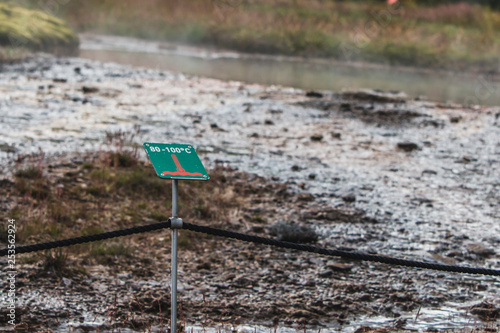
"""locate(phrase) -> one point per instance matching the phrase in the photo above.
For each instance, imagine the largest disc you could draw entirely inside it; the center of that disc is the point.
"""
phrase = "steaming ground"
(424, 177)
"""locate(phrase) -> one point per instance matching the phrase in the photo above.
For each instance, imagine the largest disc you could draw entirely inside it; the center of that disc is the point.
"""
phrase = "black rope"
(89, 238)
(254, 239)
(340, 253)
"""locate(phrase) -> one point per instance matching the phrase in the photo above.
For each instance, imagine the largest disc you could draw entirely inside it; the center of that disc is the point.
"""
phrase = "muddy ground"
(366, 171)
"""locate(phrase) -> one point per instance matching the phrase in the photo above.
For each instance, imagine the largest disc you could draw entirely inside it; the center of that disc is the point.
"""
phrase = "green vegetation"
(30, 172)
(23, 30)
(106, 252)
(448, 33)
(56, 262)
(100, 195)
(30, 181)
(439, 34)
(452, 34)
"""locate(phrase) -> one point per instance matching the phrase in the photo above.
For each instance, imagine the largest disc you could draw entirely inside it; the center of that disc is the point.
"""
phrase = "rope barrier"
(259, 240)
(89, 238)
(339, 253)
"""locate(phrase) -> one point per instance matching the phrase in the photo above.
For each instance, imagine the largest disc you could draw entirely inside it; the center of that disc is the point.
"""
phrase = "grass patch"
(37, 188)
(110, 249)
(107, 253)
(25, 29)
(140, 180)
(99, 196)
(56, 262)
(30, 172)
(437, 35)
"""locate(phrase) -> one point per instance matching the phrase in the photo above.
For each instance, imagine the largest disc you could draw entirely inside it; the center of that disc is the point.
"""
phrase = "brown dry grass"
(446, 35)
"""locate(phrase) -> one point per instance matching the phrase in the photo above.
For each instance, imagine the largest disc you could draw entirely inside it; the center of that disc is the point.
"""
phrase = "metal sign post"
(169, 161)
(176, 223)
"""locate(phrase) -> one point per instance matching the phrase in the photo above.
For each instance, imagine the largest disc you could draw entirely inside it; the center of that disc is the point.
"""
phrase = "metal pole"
(175, 197)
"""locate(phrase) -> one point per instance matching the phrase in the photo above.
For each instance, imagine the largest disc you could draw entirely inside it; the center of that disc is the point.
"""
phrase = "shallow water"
(312, 74)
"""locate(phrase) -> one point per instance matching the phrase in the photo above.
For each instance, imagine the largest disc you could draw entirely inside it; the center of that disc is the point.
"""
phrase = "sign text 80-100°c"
(175, 161)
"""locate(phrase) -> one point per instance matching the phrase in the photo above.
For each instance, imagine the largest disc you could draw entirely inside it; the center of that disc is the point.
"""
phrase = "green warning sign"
(175, 161)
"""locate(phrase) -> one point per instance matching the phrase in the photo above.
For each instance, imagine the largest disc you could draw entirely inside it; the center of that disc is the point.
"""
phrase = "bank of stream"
(474, 88)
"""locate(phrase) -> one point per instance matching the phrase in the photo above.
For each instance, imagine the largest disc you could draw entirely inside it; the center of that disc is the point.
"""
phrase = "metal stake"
(176, 224)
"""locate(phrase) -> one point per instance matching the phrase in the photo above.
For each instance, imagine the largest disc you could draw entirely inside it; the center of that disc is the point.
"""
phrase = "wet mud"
(366, 171)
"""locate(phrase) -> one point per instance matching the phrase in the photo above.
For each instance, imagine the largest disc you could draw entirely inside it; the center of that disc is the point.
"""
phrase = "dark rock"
(6, 182)
(433, 123)
(376, 96)
(345, 107)
(320, 104)
(275, 111)
(407, 146)
(303, 316)
(204, 265)
(89, 90)
(336, 135)
(454, 254)
(314, 94)
(305, 197)
(365, 298)
(339, 267)
(257, 228)
(466, 159)
(336, 215)
(480, 250)
(293, 232)
(316, 137)
(242, 281)
(486, 311)
(367, 329)
(421, 201)
(325, 273)
(349, 197)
